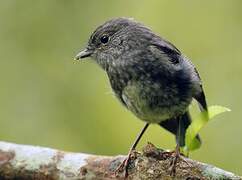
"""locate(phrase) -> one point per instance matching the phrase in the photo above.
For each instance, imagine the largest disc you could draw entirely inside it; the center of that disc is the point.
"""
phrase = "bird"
(148, 75)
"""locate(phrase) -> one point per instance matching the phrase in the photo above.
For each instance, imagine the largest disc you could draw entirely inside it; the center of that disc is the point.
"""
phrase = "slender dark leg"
(125, 163)
(139, 136)
(179, 142)
(180, 133)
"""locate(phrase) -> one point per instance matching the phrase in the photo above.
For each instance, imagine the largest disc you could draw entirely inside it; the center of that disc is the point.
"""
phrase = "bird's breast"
(151, 96)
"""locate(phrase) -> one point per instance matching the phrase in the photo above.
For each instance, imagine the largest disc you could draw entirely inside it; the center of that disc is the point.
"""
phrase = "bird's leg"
(125, 163)
(179, 141)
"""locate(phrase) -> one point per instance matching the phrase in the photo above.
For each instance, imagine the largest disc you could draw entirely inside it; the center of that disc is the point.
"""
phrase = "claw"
(173, 165)
(177, 155)
(125, 163)
(124, 166)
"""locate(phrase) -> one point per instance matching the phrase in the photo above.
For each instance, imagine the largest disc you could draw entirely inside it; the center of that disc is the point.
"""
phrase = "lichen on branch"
(40, 163)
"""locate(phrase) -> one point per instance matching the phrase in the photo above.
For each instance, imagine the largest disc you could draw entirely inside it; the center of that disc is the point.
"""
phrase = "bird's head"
(115, 39)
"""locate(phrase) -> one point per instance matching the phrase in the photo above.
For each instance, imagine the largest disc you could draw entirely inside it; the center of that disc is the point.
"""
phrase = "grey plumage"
(149, 75)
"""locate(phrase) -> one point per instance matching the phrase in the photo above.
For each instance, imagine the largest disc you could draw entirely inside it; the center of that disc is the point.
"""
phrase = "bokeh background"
(48, 99)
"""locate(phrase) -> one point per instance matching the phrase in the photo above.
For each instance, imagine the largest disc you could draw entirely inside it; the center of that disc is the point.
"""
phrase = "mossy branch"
(32, 162)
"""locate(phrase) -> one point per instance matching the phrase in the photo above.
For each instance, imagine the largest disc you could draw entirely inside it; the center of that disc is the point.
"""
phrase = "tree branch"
(32, 162)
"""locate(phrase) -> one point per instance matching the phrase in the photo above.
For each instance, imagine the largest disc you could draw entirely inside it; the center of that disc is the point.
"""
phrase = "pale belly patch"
(139, 100)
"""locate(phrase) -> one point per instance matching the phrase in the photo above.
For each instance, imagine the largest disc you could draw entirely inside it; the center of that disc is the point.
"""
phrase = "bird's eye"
(104, 39)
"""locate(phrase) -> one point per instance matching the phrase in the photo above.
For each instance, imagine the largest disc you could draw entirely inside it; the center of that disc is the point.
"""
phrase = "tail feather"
(172, 126)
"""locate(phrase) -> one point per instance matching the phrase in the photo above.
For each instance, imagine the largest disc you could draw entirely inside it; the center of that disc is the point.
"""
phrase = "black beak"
(84, 53)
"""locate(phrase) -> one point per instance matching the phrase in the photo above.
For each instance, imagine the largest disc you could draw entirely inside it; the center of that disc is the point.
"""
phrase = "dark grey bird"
(148, 75)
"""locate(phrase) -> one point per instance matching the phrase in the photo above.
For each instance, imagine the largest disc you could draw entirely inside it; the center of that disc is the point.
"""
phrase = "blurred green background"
(48, 99)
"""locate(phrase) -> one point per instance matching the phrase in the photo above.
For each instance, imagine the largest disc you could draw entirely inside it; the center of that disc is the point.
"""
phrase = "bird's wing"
(167, 49)
(174, 56)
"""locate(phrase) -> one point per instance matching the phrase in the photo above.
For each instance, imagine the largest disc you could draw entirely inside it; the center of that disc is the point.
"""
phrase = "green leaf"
(191, 142)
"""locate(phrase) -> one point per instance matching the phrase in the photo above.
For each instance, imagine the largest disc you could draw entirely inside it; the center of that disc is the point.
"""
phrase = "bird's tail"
(172, 126)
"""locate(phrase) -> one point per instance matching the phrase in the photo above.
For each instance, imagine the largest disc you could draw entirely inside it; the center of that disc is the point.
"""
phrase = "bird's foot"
(124, 166)
(174, 160)
(173, 163)
(176, 156)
